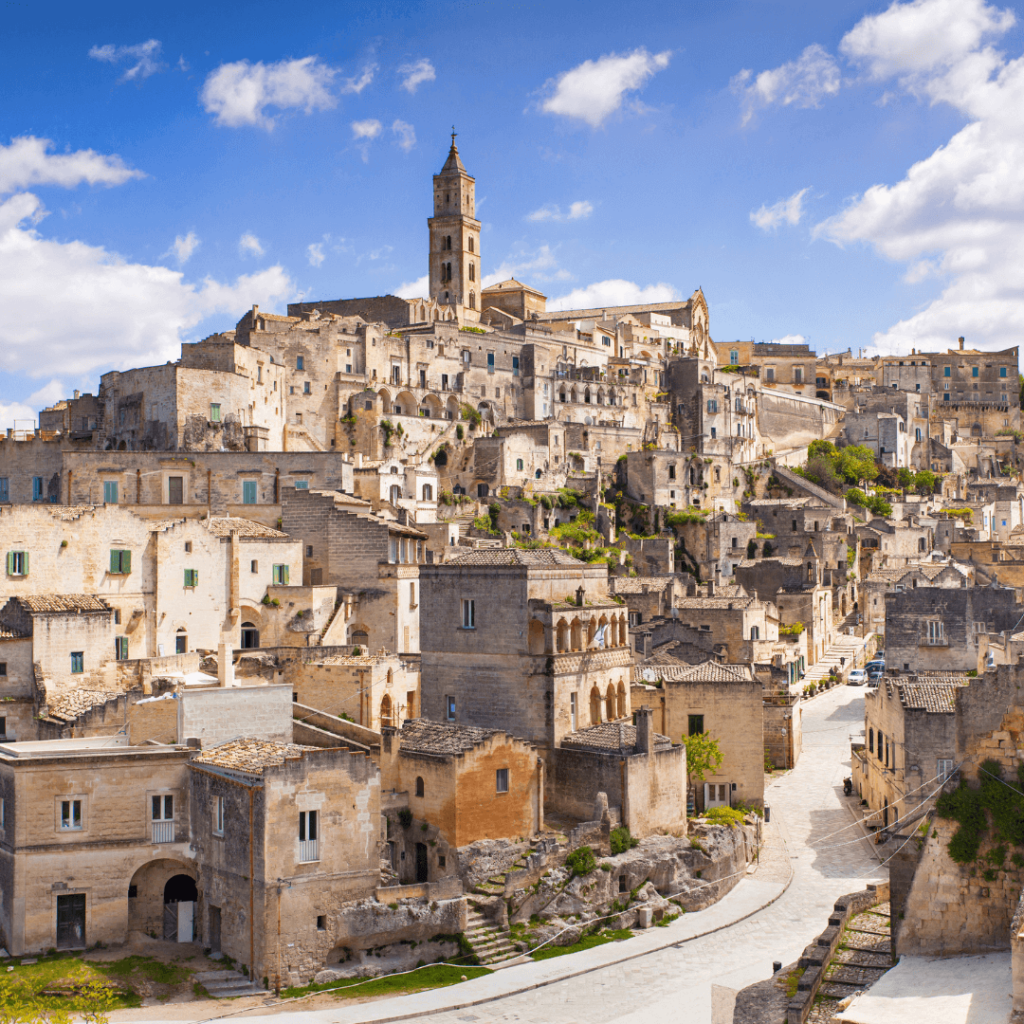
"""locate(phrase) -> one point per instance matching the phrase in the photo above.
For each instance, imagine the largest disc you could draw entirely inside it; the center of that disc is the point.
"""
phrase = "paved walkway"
(724, 948)
(951, 990)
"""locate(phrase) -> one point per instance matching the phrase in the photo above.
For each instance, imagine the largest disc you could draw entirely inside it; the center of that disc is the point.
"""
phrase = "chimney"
(225, 665)
(711, 588)
(76, 392)
(961, 344)
(644, 730)
(645, 640)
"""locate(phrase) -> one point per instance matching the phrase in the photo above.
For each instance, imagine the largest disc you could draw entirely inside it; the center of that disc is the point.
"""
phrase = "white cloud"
(121, 314)
(539, 264)
(788, 211)
(414, 289)
(315, 254)
(956, 214)
(27, 162)
(20, 413)
(416, 73)
(182, 247)
(594, 89)
(141, 58)
(406, 134)
(615, 292)
(803, 82)
(360, 82)
(551, 212)
(250, 245)
(239, 93)
(368, 129)
(789, 339)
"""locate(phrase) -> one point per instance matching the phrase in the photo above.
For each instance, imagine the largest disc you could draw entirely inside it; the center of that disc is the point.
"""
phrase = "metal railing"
(308, 850)
(163, 831)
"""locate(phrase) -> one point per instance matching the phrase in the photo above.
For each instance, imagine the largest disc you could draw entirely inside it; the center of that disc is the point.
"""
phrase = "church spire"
(455, 237)
(453, 165)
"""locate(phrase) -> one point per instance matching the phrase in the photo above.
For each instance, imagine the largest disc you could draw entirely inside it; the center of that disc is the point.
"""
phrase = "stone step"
(227, 984)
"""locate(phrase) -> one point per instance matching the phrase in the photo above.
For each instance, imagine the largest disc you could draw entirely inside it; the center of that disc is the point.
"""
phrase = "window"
(734, 357)
(944, 768)
(468, 614)
(302, 485)
(248, 492)
(871, 741)
(5, 489)
(120, 648)
(300, 363)
(769, 373)
(712, 405)
(695, 724)
(181, 642)
(305, 388)
(419, 785)
(490, 362)
(192, 578)
(3, 668)
(110, 492)
(515, 366)
(120, 562)
(572, 711)
(70, 815)
(281, 575)
(935, 631)
(472, 271)
(37, 488)
(755, 632)
(1002, 371)
(17, 563)
(308, 850)
(175, 490)
(471, 244)
(215, 412)
(519, 464)
(501, 780)
(450, 708)
(77, 662)
(974, 371)
(798, 375)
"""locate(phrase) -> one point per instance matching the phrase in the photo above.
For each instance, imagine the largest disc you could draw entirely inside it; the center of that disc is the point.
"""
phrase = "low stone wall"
(445, 889)
(818, 955)
(367, 924)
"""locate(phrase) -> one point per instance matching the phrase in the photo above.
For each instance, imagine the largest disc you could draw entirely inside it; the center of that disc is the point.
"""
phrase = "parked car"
(857, 677)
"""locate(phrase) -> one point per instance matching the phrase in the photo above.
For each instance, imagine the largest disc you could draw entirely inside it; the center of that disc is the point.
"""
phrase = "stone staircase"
(495, 885)
(228, 984)
(491, 944)
(848, 647)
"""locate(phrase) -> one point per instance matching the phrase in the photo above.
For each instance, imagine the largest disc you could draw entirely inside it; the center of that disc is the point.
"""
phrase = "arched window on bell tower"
(472, 271)
(471, 249)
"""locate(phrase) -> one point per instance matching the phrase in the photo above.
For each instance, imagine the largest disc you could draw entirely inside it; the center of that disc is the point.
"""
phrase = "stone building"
(942, 629)
(524, 641)
(880, 582)
(724, 701)
(470, 783)
(95, 844)
(910, 744)
(286, 836)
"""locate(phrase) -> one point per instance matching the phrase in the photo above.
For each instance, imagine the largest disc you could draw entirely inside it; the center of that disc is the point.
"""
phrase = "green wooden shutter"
(10, 563)
(24, 563)
(115, 561)
(284, 574)
(126, 561)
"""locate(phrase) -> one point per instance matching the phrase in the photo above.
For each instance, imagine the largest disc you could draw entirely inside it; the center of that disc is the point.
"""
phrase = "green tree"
(703, 755)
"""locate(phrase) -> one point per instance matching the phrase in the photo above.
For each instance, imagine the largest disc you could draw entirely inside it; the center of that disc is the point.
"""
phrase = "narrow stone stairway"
(848, 647)
(495, 885)
(491, 944)
(863, 956)
(228, 984)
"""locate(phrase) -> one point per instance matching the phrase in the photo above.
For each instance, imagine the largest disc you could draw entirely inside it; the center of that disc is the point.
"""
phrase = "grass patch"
(163, 974)
(437, 976)
(793, 981)
(67, 983)
(587, 942)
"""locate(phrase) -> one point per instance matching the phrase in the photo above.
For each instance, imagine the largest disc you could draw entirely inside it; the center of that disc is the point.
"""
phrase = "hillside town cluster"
(347, 629)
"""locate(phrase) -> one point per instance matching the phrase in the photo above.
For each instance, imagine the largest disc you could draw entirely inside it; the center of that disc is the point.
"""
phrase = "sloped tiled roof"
(514, 556)
(636, 584)
(221, 526)
(251, 756)
(716, 603)
(69, 706)
(67, 603)
(936, 693)
(424, 736)
(611, 736)
(705, 672)
(7, 633)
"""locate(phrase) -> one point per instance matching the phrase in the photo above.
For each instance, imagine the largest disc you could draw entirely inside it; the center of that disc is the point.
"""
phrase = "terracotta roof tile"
(70, 705)
(64, 603)
(514, 556)
(423, 735)
(251, 756)
(222, 526)
(611, 736)
(935, 693)
(705, 672)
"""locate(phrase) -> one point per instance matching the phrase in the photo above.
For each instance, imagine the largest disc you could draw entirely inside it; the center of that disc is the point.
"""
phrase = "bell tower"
(455, 237)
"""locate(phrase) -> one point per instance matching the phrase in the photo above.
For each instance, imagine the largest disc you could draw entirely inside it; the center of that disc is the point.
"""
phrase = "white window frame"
(71, 814)
(501, 781)
(468, 613)
(218, 816)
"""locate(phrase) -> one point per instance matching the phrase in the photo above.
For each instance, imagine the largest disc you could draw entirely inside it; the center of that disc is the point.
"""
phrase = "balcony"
(309, 851)
(163, 831)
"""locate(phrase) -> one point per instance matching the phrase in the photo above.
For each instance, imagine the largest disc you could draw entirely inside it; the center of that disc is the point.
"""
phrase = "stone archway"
(159, 884)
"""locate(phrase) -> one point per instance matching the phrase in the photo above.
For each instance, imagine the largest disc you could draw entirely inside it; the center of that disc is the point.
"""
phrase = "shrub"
(459, 432)
(582, 861)
(621, 840)
(724, 816)
(405, 817)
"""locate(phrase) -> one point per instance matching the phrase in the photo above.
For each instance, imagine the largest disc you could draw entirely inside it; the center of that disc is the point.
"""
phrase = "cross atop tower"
(454, 133)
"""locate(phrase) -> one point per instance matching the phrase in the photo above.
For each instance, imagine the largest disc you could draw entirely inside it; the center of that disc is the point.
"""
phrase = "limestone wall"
(218, 715)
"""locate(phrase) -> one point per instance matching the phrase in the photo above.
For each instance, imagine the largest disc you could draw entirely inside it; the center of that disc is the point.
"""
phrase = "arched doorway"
(385, 712)
(181, 641)
(250, 636)
(422, 868)
(180, 898)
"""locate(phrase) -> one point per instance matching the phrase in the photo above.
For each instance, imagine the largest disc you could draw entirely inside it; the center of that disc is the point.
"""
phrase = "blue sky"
(850, 173)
